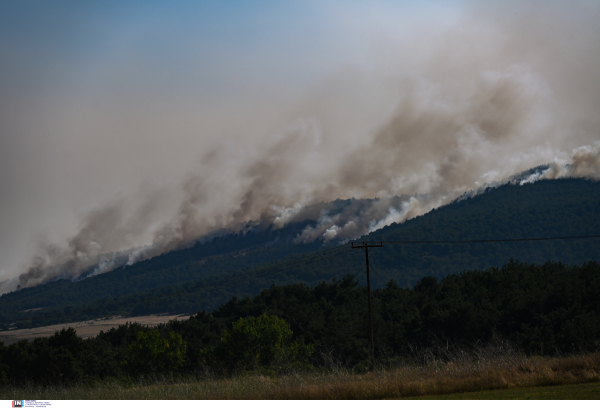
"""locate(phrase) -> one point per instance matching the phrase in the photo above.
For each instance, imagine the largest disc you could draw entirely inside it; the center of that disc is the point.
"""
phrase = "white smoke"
(336, 222)
(417, 123)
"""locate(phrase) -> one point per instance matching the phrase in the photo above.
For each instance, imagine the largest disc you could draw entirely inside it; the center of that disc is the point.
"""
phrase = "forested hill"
(178, 282)
(547, 208)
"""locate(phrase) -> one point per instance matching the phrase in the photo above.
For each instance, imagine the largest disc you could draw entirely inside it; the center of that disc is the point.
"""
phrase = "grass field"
(504, 377)
(587, 391)
(85, 329)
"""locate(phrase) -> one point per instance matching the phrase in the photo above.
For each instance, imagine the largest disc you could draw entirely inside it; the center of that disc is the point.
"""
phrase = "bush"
(151, 354)
(258, 342)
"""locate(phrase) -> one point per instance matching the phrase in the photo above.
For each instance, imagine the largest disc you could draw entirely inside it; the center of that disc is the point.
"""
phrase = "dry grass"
(471, 373)
(89, 328)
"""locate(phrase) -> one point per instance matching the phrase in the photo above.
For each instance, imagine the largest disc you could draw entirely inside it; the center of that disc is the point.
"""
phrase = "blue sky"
(108, 103)
(49, 44)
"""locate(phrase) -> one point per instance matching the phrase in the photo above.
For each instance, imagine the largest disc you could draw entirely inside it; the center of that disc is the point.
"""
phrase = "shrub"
(152, 354)
(257, 342)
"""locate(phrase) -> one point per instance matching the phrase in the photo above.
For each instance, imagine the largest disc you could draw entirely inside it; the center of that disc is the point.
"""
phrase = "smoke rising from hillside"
(423, 120)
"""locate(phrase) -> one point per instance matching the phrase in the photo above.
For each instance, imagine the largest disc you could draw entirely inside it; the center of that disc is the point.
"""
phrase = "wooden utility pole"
(366, 248)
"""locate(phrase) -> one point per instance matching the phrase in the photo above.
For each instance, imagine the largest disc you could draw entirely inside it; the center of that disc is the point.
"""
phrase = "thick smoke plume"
(468, 107)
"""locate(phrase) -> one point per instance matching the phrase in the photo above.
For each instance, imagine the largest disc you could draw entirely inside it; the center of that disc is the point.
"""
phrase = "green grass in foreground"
(589, 391)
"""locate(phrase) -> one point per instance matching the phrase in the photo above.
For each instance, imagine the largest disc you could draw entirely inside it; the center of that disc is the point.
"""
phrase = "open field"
(517, 375)
(85, 329)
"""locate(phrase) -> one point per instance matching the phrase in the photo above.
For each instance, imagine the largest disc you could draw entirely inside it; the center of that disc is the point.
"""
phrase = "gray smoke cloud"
(424, 120)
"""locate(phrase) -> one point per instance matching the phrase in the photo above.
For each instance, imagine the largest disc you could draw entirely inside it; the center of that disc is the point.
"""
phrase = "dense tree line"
(542, 309)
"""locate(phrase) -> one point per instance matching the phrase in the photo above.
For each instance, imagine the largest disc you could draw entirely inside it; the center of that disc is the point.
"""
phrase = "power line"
(382, 280)
(303, 261)
(475, 241)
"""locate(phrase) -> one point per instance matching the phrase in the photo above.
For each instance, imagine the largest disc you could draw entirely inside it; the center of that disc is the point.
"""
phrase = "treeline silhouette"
(546, 309)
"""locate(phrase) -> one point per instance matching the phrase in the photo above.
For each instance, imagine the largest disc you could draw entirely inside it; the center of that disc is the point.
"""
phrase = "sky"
(127, 124)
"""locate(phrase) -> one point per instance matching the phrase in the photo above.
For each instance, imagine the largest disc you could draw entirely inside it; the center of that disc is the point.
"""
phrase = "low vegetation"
(477, 319)
(490, 368)
(581, 391)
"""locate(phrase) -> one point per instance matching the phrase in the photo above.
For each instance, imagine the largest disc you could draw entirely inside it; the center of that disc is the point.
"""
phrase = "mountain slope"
(187, 280)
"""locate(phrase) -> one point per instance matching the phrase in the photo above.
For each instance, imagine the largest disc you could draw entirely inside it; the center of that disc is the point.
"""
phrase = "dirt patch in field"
(85, 329)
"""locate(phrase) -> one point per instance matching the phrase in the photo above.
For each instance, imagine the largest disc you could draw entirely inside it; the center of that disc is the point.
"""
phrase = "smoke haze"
(154, 130)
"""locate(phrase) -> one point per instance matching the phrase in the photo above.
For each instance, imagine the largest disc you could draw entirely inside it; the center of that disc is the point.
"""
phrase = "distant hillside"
(547, 208)
(174, 282)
